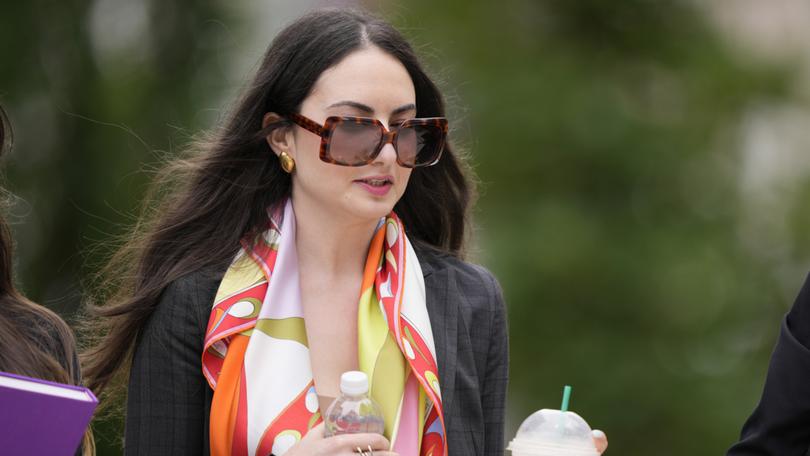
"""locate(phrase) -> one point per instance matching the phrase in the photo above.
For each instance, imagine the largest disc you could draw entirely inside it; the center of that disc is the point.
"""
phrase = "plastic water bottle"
(354, 411)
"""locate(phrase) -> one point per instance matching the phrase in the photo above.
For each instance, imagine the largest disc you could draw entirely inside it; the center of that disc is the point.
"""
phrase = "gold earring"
(287, 162)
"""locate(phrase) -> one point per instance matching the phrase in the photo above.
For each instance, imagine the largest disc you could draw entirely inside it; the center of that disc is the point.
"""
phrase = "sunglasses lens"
(419, 145)
(353, 143)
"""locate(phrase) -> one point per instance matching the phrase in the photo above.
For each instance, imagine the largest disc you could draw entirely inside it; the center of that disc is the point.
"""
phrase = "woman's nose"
(387, 154)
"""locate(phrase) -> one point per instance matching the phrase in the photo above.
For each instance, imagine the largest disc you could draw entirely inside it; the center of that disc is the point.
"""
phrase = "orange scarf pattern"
(256, 357)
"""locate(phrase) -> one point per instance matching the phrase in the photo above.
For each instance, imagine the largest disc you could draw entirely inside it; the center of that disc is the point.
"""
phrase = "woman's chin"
(370, 208)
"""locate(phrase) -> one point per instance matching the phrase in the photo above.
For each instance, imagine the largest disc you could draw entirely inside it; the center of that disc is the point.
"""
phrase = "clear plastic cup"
(553, 433)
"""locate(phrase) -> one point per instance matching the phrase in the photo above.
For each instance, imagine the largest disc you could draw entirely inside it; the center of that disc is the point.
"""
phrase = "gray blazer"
(169, 401)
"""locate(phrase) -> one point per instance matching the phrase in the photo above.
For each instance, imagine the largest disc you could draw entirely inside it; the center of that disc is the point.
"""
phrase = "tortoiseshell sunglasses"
(357, 141)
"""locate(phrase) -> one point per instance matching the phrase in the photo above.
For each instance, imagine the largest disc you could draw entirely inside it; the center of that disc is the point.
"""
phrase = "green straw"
(566, 398)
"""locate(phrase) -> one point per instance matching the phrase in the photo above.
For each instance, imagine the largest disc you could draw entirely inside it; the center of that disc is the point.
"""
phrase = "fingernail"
(598, 434)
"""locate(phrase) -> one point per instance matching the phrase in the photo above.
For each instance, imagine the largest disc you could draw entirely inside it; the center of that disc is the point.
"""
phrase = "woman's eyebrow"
(353, 104)
(404, 108)
(368, 109)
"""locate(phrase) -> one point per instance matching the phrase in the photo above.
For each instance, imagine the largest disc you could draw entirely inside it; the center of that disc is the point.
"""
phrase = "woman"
(780, 424)
(34, 341)
(320, 231)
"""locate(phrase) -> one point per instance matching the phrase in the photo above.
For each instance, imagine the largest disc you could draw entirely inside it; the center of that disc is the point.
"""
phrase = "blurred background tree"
(645, 187)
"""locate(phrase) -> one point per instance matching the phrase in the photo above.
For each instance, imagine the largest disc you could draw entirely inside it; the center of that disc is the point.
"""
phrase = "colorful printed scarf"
(257, 361)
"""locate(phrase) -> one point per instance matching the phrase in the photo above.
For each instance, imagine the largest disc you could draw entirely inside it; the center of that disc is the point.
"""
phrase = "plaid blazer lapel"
(443, 313)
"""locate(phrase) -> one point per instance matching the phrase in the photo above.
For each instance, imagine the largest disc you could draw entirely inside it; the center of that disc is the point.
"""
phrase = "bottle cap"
(354, 383)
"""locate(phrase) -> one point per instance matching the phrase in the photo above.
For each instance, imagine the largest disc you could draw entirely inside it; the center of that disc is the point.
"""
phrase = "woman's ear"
(280, 139)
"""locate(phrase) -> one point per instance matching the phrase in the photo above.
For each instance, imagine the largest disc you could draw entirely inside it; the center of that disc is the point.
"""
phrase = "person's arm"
(780, 424)
(493, 394)
(166, 395)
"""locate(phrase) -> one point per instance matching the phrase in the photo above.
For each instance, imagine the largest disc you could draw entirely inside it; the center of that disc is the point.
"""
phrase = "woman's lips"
(377, 185)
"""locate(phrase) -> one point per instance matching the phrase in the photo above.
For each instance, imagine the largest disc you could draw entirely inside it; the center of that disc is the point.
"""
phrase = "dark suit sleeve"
(166, 396)
(780, 424)
(493, 395)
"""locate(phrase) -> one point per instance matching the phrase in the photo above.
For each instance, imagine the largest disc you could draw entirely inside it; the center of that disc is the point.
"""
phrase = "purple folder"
(38, 417)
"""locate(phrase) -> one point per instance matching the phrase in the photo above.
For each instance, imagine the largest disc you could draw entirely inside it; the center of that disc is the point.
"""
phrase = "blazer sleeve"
(166, 396)
(493, 394)
(779, 424)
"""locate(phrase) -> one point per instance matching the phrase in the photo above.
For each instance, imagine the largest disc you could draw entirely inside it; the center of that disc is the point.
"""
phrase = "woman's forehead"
(368, 77)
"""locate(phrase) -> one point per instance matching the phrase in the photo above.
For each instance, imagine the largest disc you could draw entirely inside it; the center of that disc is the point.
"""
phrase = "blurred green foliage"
(605, 135)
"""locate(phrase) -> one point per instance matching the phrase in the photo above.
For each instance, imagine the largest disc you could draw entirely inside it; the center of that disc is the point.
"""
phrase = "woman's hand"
(600, 439)
(315, 444)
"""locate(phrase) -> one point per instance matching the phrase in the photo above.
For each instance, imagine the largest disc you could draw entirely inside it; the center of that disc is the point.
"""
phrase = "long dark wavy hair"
(34, 340)
(202, 205)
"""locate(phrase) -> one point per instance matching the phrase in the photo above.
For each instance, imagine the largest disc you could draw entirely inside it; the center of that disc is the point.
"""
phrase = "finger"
(362, 441)
(380, 452)
(365, 452)
(376, 452)
(315, 433)
(600, 439)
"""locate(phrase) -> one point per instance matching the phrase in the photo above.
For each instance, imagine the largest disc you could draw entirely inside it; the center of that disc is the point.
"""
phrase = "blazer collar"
(429, 258)
(443, 312)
